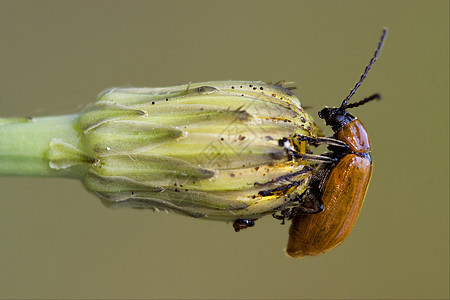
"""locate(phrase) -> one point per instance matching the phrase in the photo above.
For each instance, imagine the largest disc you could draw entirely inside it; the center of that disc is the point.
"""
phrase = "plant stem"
(24, 144)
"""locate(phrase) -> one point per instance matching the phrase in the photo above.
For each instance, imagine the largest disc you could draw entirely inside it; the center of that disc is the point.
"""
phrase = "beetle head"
(335, 117)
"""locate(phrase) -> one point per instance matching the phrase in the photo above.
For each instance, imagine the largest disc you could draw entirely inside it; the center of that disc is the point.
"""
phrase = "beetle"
(339, 184)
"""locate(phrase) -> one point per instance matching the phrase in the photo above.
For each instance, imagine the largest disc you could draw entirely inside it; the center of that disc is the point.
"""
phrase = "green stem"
(24, 145)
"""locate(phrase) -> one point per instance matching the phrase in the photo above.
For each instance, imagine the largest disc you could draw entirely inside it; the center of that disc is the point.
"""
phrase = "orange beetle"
(339, 185)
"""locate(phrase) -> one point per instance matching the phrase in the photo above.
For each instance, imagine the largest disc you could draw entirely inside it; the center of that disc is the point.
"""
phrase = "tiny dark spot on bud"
(282, 141)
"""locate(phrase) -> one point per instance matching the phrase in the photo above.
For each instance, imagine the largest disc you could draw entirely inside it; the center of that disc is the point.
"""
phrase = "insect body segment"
(339, 184)
(340, 187)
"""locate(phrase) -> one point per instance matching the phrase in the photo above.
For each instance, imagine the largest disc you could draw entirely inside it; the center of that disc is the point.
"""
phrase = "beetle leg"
(331, 142)
(288, 179)
(318, 158)
(284, 214)
(316, 141)
(310, 204)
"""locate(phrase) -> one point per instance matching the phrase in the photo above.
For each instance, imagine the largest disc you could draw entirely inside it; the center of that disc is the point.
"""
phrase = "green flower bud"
(217, 150)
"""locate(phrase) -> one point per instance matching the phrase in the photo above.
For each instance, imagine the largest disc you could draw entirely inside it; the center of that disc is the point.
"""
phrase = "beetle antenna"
(372, 61)
(363, 101)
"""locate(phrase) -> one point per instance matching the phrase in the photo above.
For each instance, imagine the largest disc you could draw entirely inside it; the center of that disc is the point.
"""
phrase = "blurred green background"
(59, 241)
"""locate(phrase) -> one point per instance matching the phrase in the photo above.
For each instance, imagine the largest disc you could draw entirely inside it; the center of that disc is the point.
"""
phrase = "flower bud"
(218, 150)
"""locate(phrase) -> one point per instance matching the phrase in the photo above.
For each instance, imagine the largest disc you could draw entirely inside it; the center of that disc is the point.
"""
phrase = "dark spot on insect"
(250, 85)
(303, 120)
(256, 168)
(201, 89)
(167, 99)
(255, 88)
(285, 120)
(232, 175)
(221, 139)
(261, 88)
(175, 184)
(241, 137)
(153, 103)
(254, 196)
(201, 108)
(264, 174)
(309, 127)
(242, 95)
(273, 95)
(241, 86)
(232, 87)
(181, 185)
(186, 190)
(176, 190)
(132, 192)
(268, 138)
